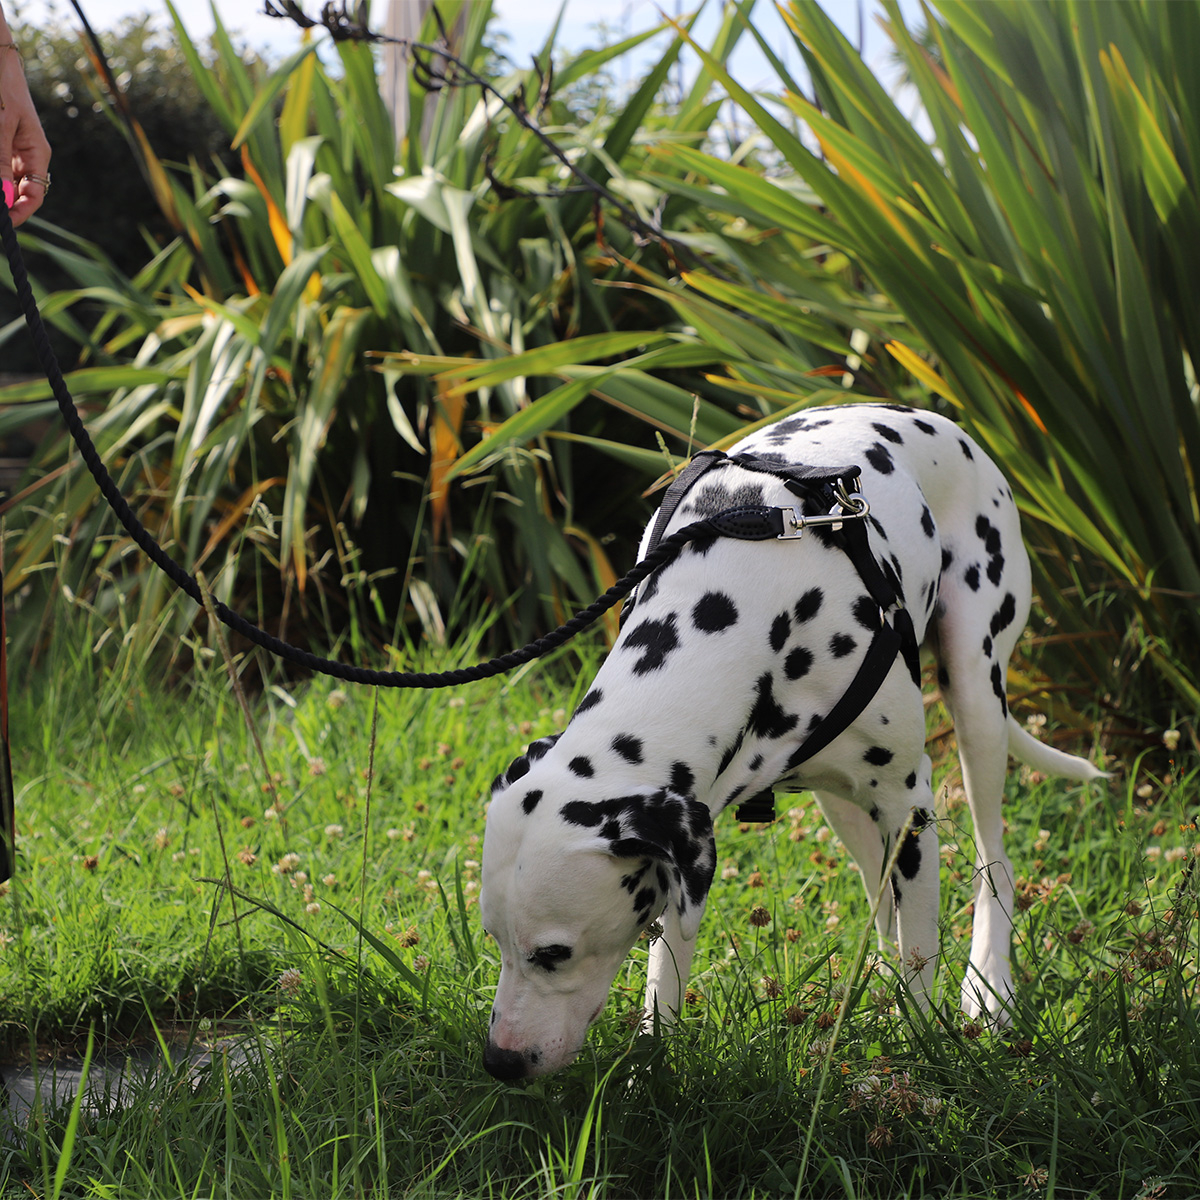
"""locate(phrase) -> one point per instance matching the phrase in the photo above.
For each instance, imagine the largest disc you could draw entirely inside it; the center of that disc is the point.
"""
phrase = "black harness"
(829, 501)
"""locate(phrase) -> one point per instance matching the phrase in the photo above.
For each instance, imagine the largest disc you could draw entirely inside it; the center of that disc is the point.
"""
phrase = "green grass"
(359, 982)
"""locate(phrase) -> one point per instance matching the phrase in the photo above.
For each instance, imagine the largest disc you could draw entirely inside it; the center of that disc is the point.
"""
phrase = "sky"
(527, 22)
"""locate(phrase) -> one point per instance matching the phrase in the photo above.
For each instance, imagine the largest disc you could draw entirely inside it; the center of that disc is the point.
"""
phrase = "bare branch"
(434, 68)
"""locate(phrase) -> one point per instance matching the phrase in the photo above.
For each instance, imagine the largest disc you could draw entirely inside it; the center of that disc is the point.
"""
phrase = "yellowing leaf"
(913, 362)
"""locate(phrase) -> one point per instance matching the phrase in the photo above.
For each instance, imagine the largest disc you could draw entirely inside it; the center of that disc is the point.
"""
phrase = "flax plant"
(1037, 251)
(286, 388)
(1026, 269)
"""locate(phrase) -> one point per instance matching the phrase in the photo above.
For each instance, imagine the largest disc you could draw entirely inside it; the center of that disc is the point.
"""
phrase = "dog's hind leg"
(983, 752)
(987, 619)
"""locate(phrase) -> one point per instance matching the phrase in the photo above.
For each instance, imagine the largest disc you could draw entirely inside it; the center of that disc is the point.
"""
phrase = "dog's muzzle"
(508, 1065)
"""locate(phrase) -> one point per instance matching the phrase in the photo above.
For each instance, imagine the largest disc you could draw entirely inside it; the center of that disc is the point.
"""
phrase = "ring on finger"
(44, 180)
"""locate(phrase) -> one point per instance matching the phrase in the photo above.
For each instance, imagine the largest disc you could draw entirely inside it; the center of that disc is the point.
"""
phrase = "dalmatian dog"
(731, 653)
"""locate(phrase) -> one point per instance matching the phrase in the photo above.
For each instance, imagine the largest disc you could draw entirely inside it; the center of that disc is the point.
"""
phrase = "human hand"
(24, 150)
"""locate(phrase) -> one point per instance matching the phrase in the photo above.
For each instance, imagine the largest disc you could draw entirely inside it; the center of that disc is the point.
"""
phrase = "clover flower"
(291, 981)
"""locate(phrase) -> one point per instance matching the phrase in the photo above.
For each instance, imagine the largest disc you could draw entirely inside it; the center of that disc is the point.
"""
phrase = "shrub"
(263, 386)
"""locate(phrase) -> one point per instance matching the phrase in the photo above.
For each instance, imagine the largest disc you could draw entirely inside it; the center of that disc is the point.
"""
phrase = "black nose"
(504, 1064)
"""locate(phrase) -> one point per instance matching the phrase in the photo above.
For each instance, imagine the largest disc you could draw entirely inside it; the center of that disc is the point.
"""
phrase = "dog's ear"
(682, 840)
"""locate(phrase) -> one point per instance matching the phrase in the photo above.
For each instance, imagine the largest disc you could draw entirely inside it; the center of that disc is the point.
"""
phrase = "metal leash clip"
(795, 524)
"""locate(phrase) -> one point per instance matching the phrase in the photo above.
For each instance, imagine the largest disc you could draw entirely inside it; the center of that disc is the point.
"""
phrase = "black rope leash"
(752, 522)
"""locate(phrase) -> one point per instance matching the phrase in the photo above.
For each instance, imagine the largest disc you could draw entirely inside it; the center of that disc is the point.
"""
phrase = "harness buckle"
(794, 522)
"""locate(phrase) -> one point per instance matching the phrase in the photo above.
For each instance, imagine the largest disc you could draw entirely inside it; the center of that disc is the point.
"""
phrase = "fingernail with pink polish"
(10, 192)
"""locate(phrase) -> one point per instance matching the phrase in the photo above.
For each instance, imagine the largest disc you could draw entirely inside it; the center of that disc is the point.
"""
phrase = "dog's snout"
(505, 1065)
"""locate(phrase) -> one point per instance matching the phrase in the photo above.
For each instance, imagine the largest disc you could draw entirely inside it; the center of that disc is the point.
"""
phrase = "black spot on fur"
(589, 701)
(965, 446)
(767, 719)
(541, 747)
(531, 801)
(947, 558)
(910, 780)
(874, 814)
(887, 433)
(880, 458)
(716, 497)
(866, 613)
(682, 779)
(971, 577)
(927, 522)
(1005, 613)
(643, 904)
(657, 639)
(628, 747)
(998, 687)
(908, 861)
(925, 427)
(518, 770)
(780, 628)
(730, 751)
(713, 612)
(990, 536)
(841, 644)
(987, 647)
(809, 605)
(943, 677)
(878, 756)
(756, 762)
(798, 663)
(582, 767)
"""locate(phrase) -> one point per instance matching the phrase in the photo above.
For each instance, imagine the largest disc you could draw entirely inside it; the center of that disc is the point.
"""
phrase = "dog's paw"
(987, 994)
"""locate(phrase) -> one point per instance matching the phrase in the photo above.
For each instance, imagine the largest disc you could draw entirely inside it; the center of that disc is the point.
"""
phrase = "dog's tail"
(1039, 756)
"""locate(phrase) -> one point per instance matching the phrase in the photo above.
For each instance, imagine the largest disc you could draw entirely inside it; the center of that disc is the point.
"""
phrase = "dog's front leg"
(915, 884)
(670, 962)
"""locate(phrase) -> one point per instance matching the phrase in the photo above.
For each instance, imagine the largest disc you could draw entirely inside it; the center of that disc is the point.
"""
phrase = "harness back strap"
(680, 486)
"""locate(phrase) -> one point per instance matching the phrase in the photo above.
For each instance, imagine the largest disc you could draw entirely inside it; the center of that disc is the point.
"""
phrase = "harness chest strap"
(753, 522)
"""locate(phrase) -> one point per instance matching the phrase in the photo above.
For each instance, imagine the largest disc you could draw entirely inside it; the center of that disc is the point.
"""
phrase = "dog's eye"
(548, 957)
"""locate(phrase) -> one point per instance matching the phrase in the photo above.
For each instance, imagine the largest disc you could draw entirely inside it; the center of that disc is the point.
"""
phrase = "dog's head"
(568, 886)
